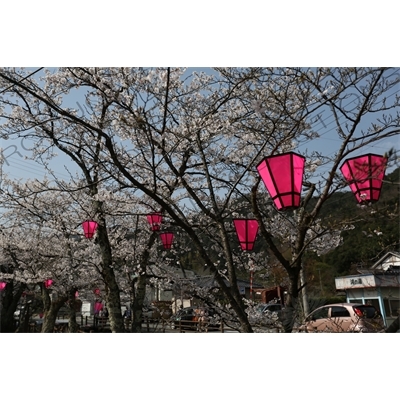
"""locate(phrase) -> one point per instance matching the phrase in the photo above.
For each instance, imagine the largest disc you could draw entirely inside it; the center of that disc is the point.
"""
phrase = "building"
(378, 285)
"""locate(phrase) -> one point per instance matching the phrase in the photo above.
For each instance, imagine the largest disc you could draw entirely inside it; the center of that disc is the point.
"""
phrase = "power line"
(26, 77)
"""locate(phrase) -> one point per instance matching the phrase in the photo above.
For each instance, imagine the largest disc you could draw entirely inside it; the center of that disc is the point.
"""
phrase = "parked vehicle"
(158, 310)
(344, 317)
(274, 307)
(196, 318)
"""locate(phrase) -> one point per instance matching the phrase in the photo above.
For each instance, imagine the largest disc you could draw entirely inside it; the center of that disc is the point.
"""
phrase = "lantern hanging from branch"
(2, 286)
(167, 239)
(283, 177)
(365, 174)
(246, 230)
(89, 228)
(154, 220)
(96, 292)
(48, 283)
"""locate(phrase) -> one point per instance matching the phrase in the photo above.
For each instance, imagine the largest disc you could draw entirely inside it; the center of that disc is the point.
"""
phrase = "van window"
(322, 313)
(337, 311)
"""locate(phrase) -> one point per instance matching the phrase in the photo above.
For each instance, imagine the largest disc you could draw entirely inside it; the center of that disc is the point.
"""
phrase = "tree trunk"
(139, 288)
(50, 314)
(138, 295)
(9, 303)
(112, 290)
(291, 311)
(113, 302)
(73, 306)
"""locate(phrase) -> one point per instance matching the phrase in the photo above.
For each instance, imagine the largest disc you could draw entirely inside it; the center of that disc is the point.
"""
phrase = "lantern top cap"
(362, 156)
(280, 155)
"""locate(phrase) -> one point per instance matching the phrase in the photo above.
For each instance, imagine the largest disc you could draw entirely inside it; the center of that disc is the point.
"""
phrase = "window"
(375, 303)
(391, 307)
(320, 314)
(339, 312)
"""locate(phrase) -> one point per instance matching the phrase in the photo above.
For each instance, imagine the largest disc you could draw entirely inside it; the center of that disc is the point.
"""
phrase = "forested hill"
(377, 227)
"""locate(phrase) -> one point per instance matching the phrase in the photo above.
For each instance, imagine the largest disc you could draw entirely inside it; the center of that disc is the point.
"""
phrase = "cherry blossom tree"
(189, 147)
(48, 242)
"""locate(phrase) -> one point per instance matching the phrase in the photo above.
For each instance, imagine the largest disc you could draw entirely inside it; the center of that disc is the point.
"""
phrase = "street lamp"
(154, 220)
(282, 175)
(365, 174)
(89, 228)
(246, 231)
(167, 238)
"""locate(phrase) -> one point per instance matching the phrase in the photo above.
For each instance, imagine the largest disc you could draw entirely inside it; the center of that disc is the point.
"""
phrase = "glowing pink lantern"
(364, 175)
(2, 285)
(48, 283)
(246, 230)
(167, 239)
(98, 306)
(76, 294)
(89, 228)
(154, 220)
(283, 177)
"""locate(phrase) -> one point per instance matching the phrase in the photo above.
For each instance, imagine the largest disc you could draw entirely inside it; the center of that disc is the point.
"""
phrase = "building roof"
(389, 260)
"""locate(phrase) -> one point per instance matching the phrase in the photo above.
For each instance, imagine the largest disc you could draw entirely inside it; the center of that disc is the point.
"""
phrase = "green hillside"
(376, 231)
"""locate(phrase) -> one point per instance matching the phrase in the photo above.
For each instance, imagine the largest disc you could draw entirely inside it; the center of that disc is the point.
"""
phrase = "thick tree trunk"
(114, 305)
(50, 314)
(9, 303)
(291, 311)
(139, 288)
(112, 290)
(73, 306)
(138, 295)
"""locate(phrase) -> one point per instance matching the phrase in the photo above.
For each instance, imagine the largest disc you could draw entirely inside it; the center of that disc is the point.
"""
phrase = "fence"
(150, 325)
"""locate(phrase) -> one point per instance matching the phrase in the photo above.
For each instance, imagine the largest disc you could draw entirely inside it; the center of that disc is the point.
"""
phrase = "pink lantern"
(246, 230)
(48, 283)
(364, 174)
(98, 306)
(167, 239)
(154, 220)
(96, 292)
(89, 228)
(76, 294)
(2, 286)
(283, 177)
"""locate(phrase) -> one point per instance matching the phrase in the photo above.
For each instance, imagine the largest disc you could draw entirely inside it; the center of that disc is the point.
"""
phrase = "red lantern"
(96, 292)
(48, 283)
(283, 177)
(2, 286)
(167, 239)
(154, 220)
(246, 230)
(364, 174)
(89, 228)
